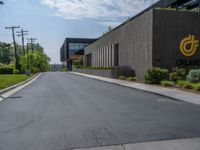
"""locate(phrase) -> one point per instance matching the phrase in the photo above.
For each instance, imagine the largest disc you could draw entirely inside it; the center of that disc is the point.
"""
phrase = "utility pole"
(17, 65)
(32, 40)
(27, 51)
(28, 71)
(22, 33)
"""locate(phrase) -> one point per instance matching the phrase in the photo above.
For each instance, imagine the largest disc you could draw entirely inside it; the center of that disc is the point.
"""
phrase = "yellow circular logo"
(189, 45)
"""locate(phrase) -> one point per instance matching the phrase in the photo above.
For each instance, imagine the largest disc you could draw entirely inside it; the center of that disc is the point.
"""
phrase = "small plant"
(167, 83)
(155, 75)
(182, 83)
(178, 74)
(131, 78)
(194, 76)
(122, 78)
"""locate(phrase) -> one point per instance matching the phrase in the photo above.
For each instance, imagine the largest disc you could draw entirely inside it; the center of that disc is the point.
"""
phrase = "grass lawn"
(9, 80)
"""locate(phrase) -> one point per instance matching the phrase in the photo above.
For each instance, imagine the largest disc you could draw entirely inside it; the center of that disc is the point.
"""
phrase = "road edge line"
(15, 88)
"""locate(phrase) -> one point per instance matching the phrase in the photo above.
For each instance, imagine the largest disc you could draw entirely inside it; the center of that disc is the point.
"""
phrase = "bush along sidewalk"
(178, 78)
(155, 75)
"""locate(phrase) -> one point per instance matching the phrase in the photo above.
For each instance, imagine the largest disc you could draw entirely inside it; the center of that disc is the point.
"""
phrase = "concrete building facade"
(73, 50)
(158, 37)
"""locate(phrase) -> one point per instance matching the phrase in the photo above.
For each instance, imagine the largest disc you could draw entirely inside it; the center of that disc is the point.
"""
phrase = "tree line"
(34, 59)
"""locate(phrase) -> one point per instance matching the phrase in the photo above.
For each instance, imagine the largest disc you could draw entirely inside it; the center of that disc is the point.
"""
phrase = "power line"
(32, 40)
(17, 65)
(22, 33)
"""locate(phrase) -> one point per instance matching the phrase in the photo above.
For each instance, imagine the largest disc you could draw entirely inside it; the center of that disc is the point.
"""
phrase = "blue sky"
(51, 21)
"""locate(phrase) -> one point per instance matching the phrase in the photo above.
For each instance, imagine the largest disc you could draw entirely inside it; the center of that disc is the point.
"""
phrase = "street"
(61, 111)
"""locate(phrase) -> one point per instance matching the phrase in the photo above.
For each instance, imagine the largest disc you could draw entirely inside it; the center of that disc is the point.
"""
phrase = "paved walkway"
(181, 144)
(172, 93)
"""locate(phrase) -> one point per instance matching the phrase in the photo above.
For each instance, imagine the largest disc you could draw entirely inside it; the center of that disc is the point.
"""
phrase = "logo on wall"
(189, 45)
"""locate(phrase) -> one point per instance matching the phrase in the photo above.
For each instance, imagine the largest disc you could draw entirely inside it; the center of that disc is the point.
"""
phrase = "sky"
(51, 21)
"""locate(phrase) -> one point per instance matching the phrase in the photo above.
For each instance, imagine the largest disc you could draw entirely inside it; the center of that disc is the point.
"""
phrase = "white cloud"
(105, 11)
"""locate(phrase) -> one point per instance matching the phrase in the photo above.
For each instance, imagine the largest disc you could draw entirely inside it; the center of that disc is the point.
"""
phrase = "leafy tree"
(6, 53)
(110, 28)
(38, 61)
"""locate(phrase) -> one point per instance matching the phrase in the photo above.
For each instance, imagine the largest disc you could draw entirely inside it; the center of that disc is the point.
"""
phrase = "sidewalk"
(180, 144)
(171, 93)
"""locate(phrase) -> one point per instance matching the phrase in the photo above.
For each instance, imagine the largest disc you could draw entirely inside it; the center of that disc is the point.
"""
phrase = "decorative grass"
(122, 78)
(189, 85)
(131, 78)
(167, 83)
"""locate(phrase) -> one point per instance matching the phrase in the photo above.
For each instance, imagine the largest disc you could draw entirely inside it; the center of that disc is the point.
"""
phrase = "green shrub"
(182, 83)
(155, 75)
(131, 79)
(194, 76)
(189, 86)
(178, 74)
(197, 88)
(6, 69)
(122, 78)
(167, 83)
(15, 71)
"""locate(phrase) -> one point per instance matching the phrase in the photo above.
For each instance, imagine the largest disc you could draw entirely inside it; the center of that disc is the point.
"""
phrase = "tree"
(38, 47)
(110, 28)
(39, 61)
(6, 53)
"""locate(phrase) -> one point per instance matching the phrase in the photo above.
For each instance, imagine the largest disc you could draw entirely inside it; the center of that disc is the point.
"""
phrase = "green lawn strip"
(9, 80)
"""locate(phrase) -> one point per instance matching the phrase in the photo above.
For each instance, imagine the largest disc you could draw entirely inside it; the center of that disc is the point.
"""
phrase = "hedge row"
(7, 69)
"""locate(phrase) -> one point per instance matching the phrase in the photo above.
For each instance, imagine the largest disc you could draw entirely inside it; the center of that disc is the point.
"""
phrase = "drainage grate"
(15, 97)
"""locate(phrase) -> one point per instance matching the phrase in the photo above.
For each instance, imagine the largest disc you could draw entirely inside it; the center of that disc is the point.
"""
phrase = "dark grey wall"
(135, 43)
(169, 28)
(153, 39)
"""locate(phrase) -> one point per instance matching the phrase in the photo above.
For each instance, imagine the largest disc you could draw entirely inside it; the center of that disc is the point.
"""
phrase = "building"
(73, 50)
(160, 36)
(55, 67)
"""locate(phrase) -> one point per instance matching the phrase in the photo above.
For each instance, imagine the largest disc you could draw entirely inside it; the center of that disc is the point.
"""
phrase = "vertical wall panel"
(135, 43)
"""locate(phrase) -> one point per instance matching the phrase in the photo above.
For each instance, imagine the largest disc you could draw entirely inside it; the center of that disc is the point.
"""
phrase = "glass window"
(77, 48)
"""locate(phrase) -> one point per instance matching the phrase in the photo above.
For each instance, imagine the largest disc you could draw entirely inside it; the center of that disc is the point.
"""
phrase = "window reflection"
(77, 48)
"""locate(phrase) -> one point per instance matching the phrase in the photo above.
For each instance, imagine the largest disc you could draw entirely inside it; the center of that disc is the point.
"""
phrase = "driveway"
(61, 111)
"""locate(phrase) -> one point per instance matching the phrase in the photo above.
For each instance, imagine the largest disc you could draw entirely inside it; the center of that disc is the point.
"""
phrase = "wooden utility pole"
(22, 33)
(17, 65)
(32, 40)
(28, 60)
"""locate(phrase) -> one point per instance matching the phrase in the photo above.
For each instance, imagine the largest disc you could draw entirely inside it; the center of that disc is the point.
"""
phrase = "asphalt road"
(60, 111)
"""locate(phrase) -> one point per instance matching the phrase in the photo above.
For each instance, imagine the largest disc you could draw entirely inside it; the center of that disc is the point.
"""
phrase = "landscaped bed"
(12, 79)
(179, 78)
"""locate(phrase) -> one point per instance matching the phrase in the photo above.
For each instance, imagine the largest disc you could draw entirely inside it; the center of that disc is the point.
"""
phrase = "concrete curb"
(175, 94)
(16, 85)
(176, 144)
(15, 88)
